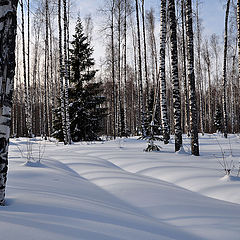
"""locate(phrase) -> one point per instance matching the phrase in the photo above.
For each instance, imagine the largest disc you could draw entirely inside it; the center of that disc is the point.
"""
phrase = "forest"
(169, 78)
(163, 92)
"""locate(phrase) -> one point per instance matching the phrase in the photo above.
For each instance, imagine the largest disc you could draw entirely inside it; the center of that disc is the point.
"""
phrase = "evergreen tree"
(218, 119)
(85, 99)
(153, 115)
(57, 123)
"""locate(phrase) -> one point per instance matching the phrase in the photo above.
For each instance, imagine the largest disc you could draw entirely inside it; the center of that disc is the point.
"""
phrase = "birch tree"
(174, 76)
(125, 69)
(26, 95)
(145, 55)
(8, 30)
(66, 72)
(207, 60)
(152, 45)
(119, 20)
(199, 70)
(225, 114)
(46, 75)
(238, 27)
(113, 71)
(36, 27)
(191, 80)
(28, 64)
(166, 134)
(184, 72)
(61, 74)
(140, 72)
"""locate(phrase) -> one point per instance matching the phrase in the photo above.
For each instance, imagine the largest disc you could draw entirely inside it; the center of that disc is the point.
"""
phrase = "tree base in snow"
(152, 148)
(2, 204)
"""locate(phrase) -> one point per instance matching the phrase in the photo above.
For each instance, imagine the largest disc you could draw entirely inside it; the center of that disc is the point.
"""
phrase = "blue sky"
(211, 12)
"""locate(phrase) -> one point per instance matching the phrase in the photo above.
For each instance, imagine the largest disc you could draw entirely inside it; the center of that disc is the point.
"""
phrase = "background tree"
(174, 76)
(162, 73)
(85, 95)
(191, 79)
(225, 113)
(66, 68)
(142, 111)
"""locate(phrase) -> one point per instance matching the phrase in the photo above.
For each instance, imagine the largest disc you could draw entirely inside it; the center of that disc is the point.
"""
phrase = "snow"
(114, 190)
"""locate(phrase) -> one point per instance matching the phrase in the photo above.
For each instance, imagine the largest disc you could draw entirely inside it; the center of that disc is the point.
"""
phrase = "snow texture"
(107, 191)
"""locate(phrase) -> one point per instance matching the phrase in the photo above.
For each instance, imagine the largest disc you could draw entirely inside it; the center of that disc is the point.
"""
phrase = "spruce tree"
(218, 119)
(85, 95)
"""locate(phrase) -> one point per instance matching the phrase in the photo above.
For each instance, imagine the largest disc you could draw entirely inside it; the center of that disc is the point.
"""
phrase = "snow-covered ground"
(114, 190)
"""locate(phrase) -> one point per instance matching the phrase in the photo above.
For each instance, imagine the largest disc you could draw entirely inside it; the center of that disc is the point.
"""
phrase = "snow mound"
(229, 178)
(103, 192)
(34, 164)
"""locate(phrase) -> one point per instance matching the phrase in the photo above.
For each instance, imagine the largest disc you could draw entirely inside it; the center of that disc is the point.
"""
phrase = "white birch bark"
(145, 56)
(175, 77)
(225, 114)
(191, 80)
(46, 76)
(207, 59)
(61, 73)
(66, 72)
(186, 93)
(232, 89)
(119, 70)
(238, 27)
(113, 71)
(199, 72)
(26, 95)
(34, 77)
(143, 131)
(8, 27)
(125, 69)
(28, 68)
(162, 73)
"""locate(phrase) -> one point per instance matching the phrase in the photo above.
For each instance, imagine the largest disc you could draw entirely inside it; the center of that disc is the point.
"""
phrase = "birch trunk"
(153, 47)
(186, 93)
(135, 86)
(61, 74)
(26, 96)
(207, 59)
(191, 80)
(113, 70)
(28, 67)
(143, 131)
(16, 92)
(145, 57)
(66, 72)
(238, 27)
(46, 77)
(175, 77)
(162, 73)
(119, 71)
(199, 72)
(225, 114)
(8, 31)
(232, 89)
(51, 77)
(34, 78)
(125, 69)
